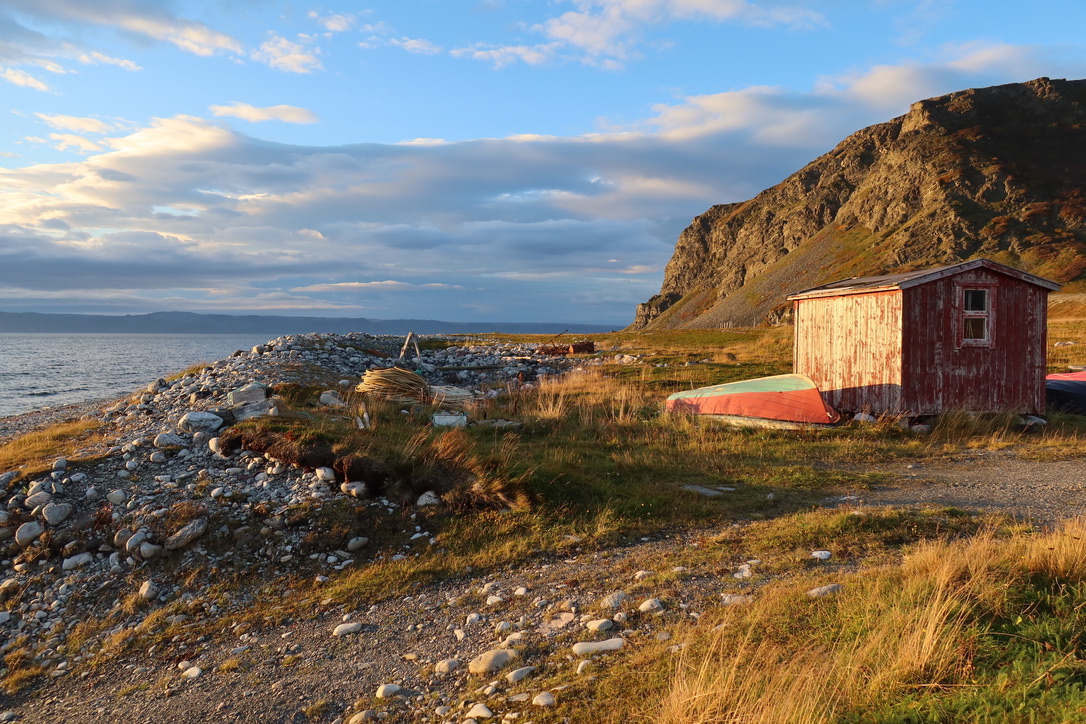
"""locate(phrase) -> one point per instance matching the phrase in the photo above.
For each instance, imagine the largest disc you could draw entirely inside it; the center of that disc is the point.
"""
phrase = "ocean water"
(53, 370)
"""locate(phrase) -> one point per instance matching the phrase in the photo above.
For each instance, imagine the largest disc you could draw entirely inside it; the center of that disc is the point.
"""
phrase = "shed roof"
(886, 282)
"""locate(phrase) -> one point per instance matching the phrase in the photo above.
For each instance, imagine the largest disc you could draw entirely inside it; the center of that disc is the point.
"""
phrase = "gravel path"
(1041, 492)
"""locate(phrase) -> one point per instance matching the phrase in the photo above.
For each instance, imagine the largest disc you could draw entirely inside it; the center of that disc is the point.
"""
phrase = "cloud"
(282, 54)
(253, 114)
(499, 56)
(191, 209)
(191, 37)
(607, 33)
(150, 20)
(416, 45)
(75, 123)
(95, 57)
(15, 76)
(385, 286)
(44, 34)
(337, 23)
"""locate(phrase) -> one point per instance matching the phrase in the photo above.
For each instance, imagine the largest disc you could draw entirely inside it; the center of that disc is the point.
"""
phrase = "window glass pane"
(976, 300)
(976, 328)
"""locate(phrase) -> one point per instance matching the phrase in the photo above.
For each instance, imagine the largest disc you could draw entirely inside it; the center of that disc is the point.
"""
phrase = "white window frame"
(987, 315)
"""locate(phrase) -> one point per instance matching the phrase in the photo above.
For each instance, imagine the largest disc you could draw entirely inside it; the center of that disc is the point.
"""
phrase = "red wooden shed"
(970, 336)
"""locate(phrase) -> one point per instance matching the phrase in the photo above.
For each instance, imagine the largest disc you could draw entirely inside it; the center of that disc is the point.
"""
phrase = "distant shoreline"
(274, 326)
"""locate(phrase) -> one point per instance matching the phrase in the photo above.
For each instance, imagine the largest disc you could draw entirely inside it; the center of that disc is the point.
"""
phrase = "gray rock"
(168, 439)
(326, 475)
(200, 422)
(56, 513)
(132, 545)
(824, 591)
(519, 674)
(428, 498)
(543, 698)
(446, 666)
(652, 606)
(40, 498)
(148, 591)
(480, 711)
(594, 647)
(190, 532)
(387, 691)
(490, 661)
(735, 599)
(149, 550)
(259, 408)
(345, 629)
(613, 601)
(77, 561)
(117, 497)
(120, 538)
(60, 464)
(252, 392)
(28, 533)
(331, 398)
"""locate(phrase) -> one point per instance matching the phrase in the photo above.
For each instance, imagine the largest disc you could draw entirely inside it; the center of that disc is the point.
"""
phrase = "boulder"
(200, 422)
(252, 392)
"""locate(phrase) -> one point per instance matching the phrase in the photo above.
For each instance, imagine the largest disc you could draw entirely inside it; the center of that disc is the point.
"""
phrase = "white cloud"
(96, 57)
(15, 76)
(385, 286)
(500, 56)
(65, 141)
(281, 54)
(191, 37)
(606, 33)
(76, 123)
(416, 45)
(337, 23)
(253, 114)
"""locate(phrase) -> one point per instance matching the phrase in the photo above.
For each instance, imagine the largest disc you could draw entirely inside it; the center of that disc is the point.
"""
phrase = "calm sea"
(52, 370)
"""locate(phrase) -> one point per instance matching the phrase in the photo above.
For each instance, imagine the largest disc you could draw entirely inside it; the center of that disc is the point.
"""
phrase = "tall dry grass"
(898, 629)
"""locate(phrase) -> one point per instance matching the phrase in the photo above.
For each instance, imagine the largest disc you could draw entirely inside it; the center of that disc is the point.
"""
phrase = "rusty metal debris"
(560, 350)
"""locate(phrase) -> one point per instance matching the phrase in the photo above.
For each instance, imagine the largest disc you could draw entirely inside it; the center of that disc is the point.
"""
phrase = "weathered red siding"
(851, 347)
(940, 373)
(902, 351)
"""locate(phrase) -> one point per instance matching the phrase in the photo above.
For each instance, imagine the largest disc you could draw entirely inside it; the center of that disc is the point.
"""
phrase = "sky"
(462, 160)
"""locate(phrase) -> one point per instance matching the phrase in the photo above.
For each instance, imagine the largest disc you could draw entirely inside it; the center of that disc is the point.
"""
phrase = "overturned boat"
(785, 402)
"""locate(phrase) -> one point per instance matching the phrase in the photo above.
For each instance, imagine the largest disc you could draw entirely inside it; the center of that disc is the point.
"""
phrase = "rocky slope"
(995, 172)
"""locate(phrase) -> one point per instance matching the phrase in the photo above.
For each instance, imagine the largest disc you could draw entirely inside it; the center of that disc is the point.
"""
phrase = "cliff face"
(996, 172)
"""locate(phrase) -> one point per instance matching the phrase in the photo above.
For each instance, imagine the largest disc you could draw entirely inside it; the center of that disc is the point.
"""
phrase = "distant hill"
(993, 172)
(273, 326)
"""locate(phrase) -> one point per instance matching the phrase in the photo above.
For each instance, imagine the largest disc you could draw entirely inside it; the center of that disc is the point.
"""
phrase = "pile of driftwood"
(404, 386)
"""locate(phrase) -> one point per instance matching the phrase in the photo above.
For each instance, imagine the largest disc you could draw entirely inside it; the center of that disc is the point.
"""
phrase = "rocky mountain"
(994, 172)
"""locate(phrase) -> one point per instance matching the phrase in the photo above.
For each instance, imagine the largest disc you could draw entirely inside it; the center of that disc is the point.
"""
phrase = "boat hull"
(783, 398)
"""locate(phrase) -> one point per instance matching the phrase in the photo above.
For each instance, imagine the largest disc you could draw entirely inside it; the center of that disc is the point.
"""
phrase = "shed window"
(976, 316)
